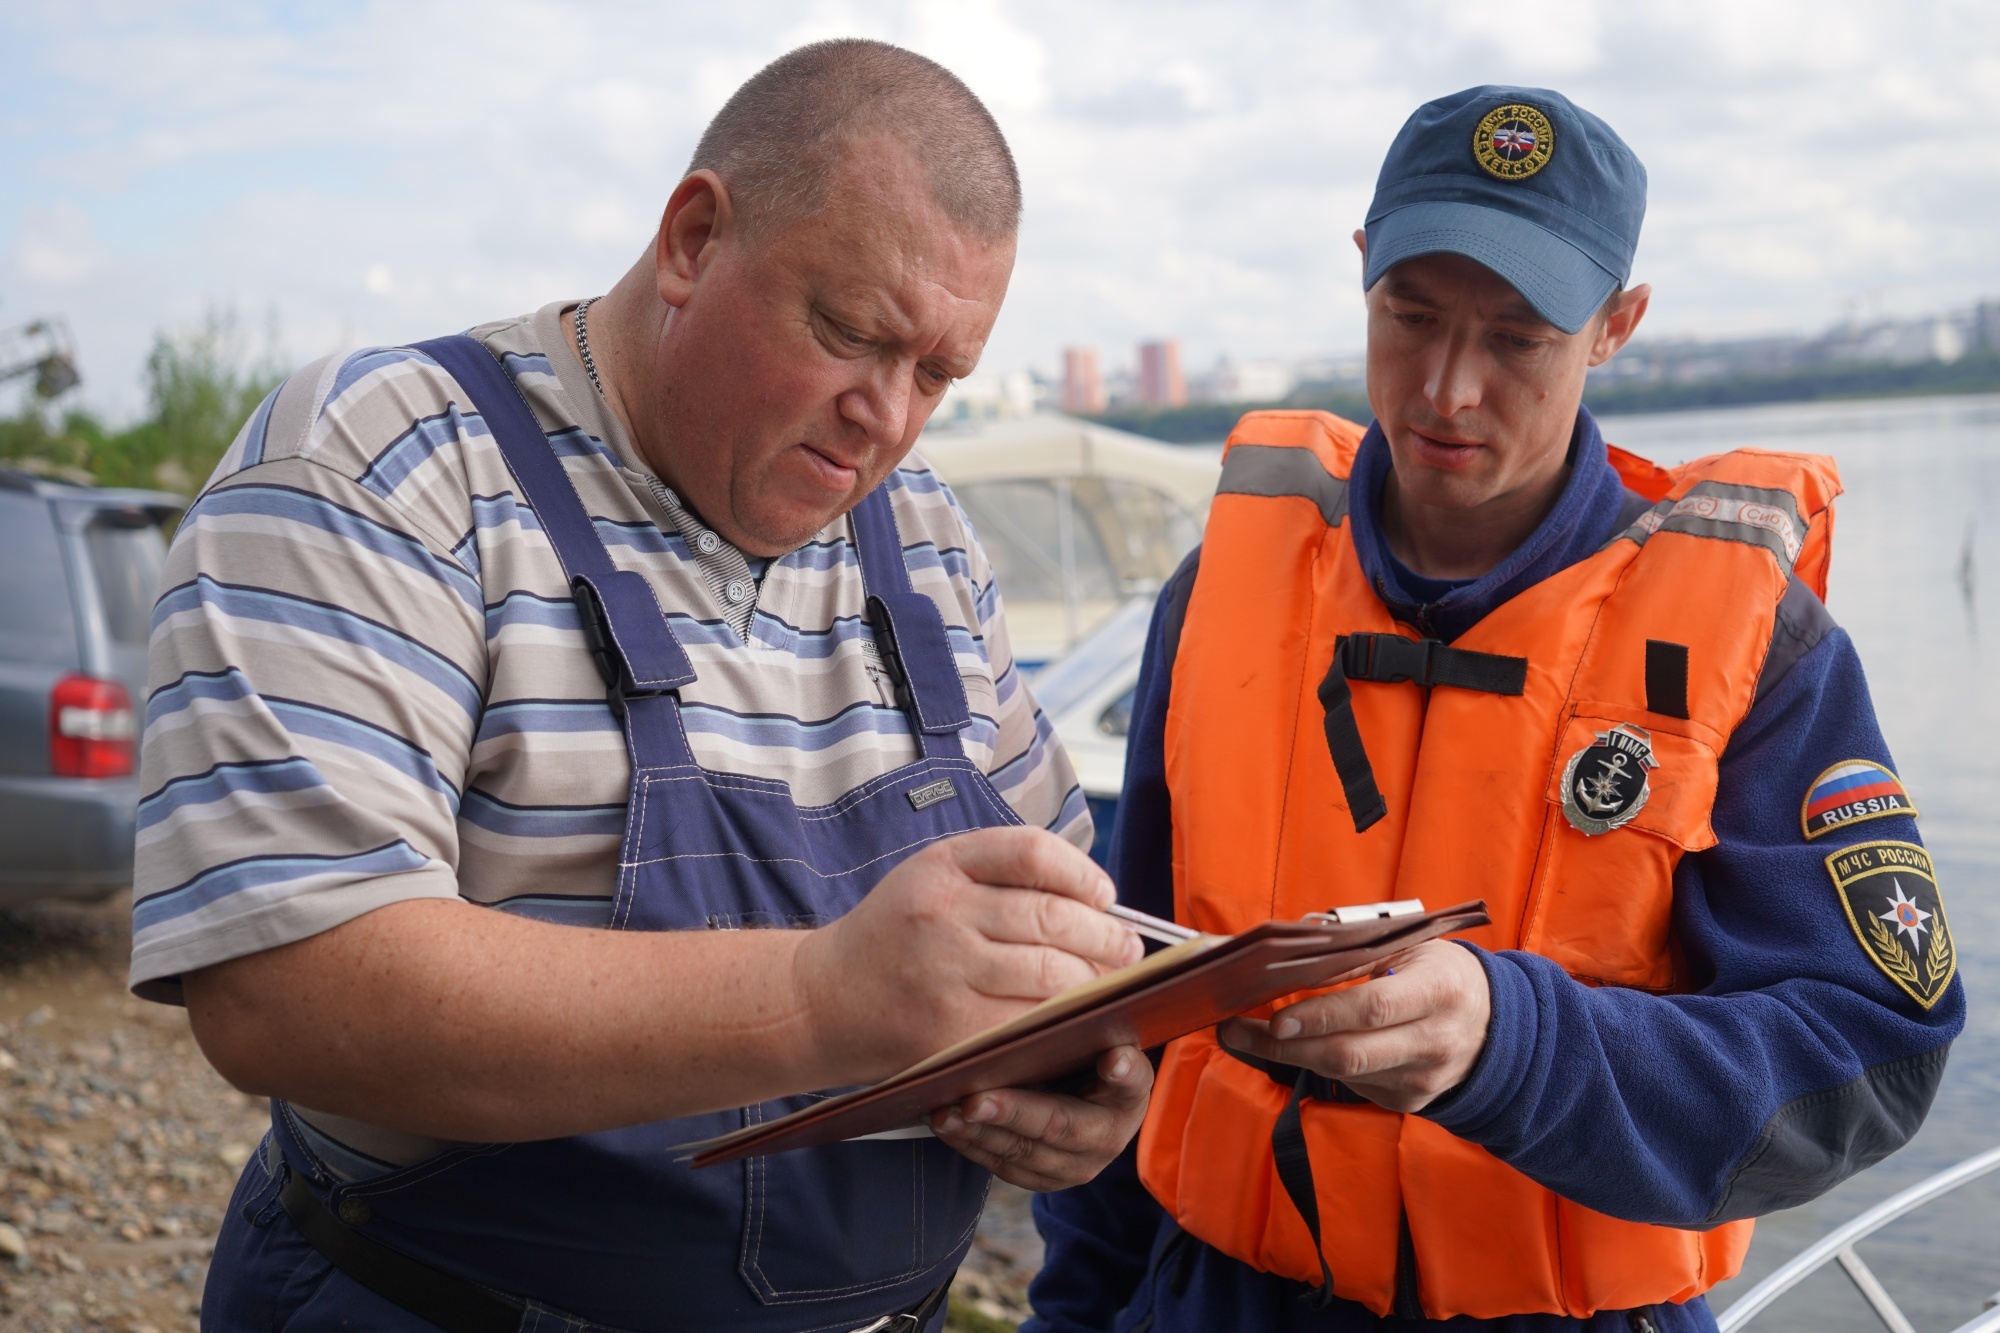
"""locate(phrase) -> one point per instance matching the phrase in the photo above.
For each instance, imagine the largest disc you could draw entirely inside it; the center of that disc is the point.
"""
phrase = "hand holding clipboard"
(1193, 984)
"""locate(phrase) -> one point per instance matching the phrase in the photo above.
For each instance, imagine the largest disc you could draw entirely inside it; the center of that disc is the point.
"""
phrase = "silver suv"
(79, 569)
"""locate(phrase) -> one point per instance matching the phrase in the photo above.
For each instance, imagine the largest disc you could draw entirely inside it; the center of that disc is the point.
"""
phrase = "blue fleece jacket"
(1794, 1063)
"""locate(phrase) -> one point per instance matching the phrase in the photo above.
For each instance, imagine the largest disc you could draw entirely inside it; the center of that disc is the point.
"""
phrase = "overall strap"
(628, 635)
(916, 648)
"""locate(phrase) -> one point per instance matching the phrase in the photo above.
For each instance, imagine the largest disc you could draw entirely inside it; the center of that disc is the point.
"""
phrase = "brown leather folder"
(1178, 990)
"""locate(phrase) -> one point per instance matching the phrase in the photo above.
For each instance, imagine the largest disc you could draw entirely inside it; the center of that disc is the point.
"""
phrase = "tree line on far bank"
(201, 383)
(1200, 423)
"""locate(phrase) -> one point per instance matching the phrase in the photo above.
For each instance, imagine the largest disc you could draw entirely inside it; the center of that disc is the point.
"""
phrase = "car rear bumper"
(65, 837)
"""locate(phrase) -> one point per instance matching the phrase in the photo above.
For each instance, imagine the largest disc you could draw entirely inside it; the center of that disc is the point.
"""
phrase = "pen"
(1152, 927)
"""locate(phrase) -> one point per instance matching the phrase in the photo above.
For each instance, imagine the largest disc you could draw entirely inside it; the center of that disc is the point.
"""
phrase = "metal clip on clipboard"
(1346, 916)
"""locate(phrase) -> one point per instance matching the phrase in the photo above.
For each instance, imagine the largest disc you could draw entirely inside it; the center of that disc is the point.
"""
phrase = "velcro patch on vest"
(1890, 894)
(1851, 791)
(931, 793)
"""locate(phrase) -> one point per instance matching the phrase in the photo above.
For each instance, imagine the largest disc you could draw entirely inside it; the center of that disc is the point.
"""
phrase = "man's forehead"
(907, 282)
(904, 294)
(1447, 279)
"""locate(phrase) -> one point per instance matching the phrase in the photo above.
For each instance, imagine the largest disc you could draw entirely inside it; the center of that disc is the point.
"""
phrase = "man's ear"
(1361, 243)
(699, 216)
(1616, 328)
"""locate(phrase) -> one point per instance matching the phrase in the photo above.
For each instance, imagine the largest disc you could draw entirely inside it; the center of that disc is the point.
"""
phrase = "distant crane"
(44, 349)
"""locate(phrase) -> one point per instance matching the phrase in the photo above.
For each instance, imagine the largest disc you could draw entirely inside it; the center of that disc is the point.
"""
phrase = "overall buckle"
(913, 1319)
(618, 683)
(892, 1323)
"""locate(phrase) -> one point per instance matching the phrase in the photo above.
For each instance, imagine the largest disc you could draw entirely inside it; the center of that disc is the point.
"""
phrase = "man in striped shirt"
(380, 856)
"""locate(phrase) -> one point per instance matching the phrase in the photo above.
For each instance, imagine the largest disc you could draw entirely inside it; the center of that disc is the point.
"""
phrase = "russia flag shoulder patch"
(1850, 792)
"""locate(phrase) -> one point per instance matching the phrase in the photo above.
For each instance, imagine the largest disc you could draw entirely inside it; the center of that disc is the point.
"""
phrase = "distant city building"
(1986, 326)
(1943, 338)
(1902, 342)
(1160, 382)
(1243, 382)
(986, 396)
(1348, 372)
(1121, 389)
(1082, 385)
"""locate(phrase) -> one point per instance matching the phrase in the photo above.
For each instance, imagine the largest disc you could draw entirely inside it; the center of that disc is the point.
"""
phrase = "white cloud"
(974, 39)
(56, 247)
(1191, 168)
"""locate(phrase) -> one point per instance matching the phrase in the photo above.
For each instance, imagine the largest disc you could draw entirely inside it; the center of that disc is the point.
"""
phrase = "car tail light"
(90, 728)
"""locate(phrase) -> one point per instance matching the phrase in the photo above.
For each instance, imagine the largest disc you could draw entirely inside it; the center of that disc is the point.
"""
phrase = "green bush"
(201, 384)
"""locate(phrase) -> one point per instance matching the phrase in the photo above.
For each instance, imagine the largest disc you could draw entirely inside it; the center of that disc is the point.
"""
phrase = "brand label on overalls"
(931, 793)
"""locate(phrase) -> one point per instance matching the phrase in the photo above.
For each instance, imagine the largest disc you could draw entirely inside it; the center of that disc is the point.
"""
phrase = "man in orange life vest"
(1475, 652)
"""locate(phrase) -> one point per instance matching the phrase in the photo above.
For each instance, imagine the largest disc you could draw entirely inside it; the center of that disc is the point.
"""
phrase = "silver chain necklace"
(583, 347)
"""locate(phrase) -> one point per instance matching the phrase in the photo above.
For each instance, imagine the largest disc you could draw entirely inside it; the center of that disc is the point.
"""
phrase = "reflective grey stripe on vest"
(1270, 470)
(1751, 514)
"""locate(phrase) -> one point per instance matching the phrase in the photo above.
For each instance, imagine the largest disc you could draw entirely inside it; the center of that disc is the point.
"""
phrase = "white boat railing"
(1838, 1245)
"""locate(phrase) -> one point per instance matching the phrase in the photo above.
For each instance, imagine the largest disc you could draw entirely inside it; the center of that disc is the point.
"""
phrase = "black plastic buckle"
(885, 644)
(1387, 658)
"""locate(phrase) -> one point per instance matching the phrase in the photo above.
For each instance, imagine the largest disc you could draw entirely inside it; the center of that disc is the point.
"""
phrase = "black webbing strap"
(1295, 1173)
(453, 1304)
(1666, 678)
(1409, 1295)
(1350, 756)
(1318, 1086)
(1389, 659)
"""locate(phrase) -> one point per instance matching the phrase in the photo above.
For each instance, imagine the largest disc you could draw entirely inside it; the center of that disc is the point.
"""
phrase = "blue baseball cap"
(1521, 180)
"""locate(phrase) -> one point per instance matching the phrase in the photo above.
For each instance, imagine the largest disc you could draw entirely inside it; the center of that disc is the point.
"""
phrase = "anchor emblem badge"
(1604, 784)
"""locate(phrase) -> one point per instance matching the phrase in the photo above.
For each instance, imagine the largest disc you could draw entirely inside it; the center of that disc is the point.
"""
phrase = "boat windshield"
(1113, 646)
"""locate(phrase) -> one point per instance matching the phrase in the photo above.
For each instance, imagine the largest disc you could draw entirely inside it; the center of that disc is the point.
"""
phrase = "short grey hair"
(777, 140)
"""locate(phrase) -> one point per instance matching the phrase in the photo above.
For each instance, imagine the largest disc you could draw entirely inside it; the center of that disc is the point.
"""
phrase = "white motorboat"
(1837, 1247)
(1077, 518)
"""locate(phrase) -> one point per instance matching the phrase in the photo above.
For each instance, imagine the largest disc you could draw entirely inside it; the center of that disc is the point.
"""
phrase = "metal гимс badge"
(1604, 784)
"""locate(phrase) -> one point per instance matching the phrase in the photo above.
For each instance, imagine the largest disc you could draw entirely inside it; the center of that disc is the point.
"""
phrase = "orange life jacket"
(1473, 785)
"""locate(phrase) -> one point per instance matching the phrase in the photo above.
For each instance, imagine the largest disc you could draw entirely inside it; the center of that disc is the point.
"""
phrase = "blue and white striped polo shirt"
(368, 683)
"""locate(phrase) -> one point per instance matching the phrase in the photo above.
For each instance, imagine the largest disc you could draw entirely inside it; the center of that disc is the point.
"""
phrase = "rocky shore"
(119, 1147)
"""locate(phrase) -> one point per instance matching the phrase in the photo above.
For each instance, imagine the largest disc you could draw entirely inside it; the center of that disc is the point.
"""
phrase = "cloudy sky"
(365, 171)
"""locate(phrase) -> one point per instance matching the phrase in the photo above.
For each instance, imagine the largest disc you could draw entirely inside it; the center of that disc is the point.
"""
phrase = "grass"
(963, 1317)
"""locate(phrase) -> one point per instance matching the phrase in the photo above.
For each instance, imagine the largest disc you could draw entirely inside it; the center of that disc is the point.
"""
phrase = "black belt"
(1390, 658)
(452, 1303)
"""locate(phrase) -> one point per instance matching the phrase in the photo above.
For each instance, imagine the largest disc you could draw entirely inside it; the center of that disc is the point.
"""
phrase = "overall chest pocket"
(1602, 906)
(845, 1219)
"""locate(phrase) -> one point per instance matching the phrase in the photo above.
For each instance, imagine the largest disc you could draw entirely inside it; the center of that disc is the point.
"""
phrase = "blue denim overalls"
(607, 1230)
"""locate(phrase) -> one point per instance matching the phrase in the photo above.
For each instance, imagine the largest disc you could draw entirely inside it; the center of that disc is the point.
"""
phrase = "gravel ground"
(119, 1147)
(118, 1144)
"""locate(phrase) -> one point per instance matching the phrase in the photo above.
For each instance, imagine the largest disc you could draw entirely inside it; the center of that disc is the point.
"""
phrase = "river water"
(1923, 483)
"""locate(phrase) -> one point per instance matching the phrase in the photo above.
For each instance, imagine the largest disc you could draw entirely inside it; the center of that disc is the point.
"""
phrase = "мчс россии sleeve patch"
(1890, 894)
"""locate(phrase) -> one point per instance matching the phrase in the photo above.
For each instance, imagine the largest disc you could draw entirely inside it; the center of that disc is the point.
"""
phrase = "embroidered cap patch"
(1514, 142)
(1849, 792)
(1890, 894)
